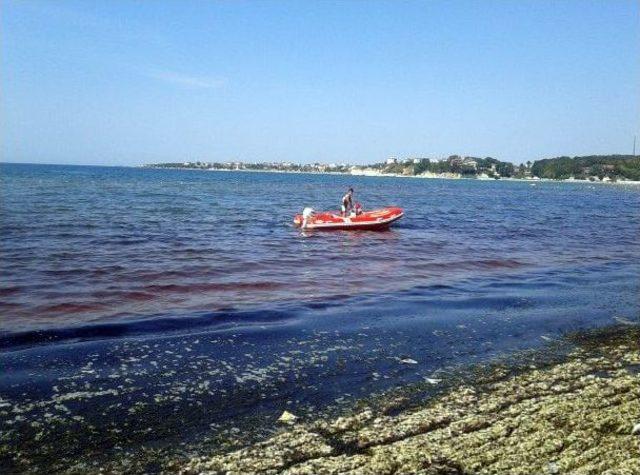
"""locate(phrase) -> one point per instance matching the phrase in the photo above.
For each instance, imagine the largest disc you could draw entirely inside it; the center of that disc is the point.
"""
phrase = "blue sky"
(123, 83)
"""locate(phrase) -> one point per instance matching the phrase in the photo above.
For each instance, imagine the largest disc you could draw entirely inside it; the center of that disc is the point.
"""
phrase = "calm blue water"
(146, 308)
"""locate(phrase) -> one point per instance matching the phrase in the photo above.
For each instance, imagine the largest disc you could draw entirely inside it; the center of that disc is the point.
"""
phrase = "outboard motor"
(307, 213)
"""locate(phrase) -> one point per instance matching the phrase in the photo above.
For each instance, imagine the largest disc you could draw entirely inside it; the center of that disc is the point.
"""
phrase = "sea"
(164, 313)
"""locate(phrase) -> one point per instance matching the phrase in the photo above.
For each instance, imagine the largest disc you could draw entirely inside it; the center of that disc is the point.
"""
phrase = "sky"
(126, 82)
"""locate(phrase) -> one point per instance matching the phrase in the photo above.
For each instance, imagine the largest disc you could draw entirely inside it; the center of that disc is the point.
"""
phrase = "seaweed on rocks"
(569, 414)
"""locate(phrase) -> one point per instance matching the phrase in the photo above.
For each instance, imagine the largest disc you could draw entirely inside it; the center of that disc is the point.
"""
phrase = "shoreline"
(576, 413)
(397, 175)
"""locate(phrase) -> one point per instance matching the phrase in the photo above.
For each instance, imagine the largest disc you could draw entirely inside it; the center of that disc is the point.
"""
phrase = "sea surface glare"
(146, 311)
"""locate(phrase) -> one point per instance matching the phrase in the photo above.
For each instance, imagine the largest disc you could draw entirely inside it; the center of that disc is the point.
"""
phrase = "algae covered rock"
(271, 456)
(578, 416)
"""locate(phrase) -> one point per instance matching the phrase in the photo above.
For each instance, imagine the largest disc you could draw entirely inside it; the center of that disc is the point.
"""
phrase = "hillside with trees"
(592, 167)
(465, 166)
(589, 167)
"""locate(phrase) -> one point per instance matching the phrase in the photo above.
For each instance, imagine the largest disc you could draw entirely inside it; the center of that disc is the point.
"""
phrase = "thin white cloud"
(189, 81)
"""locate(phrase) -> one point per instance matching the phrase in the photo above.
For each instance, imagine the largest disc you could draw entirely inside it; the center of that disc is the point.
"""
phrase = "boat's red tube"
(371, 220)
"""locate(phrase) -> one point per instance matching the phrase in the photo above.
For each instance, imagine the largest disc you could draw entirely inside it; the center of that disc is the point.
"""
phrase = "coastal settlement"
(594, 168)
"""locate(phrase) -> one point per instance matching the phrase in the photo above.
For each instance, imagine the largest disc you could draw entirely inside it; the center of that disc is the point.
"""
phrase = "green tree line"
(559, 168)
(600, 166)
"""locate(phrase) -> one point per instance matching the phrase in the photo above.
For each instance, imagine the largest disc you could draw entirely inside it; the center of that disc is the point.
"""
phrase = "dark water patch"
(151, 325)
(132, 296)
(333, 301)
(107, 270)
(71, 307)
(135, 296)
(496, 294)
(525, 284)
(163, 275)
(207, 287)
(499, 263)
(67, 272)
(129, 242)
(10, 306)
(470, 264)
(7, 291)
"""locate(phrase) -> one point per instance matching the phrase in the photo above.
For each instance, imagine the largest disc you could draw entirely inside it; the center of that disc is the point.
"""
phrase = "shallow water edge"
(538, 409)
(579, 413)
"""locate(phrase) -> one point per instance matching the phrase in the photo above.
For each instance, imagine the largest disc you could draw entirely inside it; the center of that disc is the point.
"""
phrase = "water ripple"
(86, 244)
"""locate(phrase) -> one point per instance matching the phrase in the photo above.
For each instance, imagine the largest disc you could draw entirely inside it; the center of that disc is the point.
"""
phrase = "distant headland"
(602, 168)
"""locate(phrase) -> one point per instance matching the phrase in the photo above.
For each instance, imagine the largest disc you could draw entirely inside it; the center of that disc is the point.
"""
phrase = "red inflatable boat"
(371, 220)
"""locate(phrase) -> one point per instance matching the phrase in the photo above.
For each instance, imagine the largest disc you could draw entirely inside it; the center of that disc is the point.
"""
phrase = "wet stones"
(272, 456)
(555, 420)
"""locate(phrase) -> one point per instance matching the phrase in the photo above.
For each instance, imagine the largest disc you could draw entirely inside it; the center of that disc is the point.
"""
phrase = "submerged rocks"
(561, 419)
(269, 457)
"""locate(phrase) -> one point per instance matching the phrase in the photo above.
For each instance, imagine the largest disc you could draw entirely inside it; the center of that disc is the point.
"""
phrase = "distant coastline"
(621, 169)
(394, 175)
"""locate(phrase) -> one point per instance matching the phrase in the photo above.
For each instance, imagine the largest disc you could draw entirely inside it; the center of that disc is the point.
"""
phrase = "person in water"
(347, 202)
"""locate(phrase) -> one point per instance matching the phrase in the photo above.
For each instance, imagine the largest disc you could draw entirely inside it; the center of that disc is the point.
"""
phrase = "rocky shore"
(578, 415)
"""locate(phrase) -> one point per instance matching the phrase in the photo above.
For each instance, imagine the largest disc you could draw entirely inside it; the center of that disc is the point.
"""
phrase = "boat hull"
(376, 220)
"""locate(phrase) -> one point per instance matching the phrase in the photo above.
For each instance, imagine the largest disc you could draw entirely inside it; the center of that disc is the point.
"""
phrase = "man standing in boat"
(347, 202)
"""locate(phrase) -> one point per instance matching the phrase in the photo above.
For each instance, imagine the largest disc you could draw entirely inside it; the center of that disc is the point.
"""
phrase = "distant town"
(588, 168)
